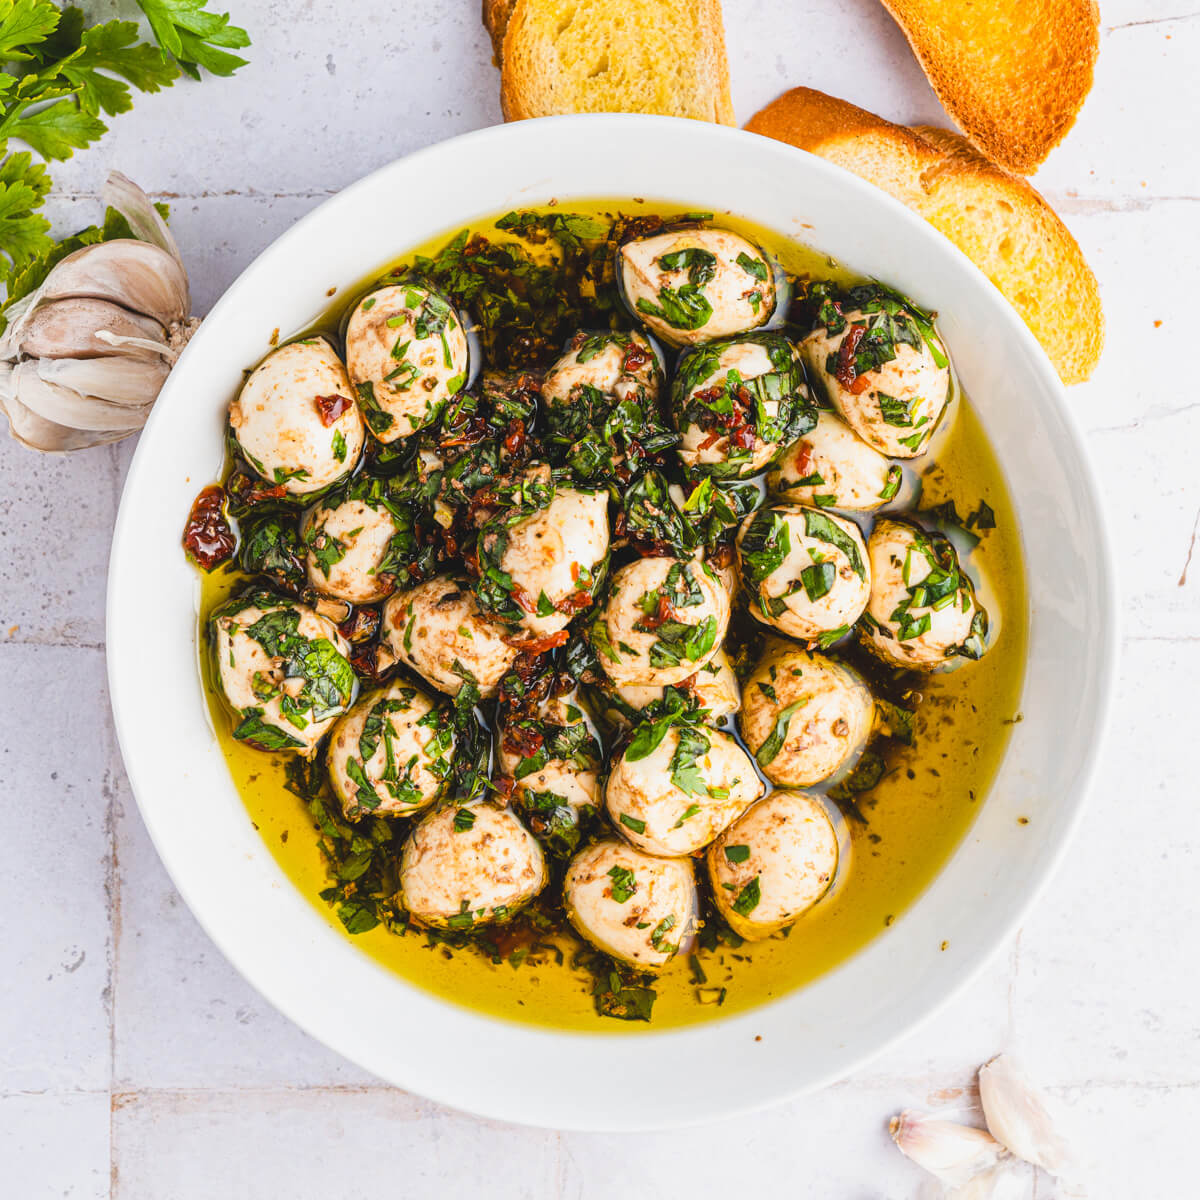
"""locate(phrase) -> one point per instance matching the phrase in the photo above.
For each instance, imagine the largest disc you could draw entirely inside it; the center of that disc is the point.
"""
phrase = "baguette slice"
(1012, 73)
(649, 56)
(996, 218)
(495, 21)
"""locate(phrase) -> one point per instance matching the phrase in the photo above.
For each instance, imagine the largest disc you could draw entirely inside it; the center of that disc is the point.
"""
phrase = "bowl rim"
(120, 648)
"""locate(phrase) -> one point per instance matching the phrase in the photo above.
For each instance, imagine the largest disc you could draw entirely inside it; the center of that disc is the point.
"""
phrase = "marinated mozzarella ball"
(693, 285)
(737, 403)
(804, 717)
(832, 467)
(407, 354)
(806, 571)
(923, 613)
(391, 754)
(680, 795)
(295, 420)
(715, 688)
(554, 559)
(467, 866)
(773, 863)
(347, 541)
(663, 621)
(554, 759)
(283, 669)
(880, 363)
(623, 366)
(438, 630)
(639, 909)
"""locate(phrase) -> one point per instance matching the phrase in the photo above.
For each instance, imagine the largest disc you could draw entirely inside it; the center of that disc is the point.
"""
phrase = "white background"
(134, 1062)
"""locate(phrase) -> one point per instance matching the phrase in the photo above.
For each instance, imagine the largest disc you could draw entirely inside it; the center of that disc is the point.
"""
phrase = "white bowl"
(645, 1079)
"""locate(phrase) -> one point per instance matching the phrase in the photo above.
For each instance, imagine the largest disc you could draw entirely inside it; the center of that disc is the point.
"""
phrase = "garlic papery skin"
(954, 1153)
(1019, 1116)
(1009, 1179)
(84, 356)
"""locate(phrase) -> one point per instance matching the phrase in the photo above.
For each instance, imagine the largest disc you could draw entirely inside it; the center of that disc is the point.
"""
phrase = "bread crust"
(530, 79)
(995, 217)
(496, 14)
(1013, 76)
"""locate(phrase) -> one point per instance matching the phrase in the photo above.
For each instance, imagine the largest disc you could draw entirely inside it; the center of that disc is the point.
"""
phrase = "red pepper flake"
(332, 407)
(846, 373)
(804, 459)
(537, 645)
(207, 536)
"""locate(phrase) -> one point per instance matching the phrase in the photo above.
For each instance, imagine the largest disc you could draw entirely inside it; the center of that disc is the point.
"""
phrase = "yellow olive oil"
(894, 844)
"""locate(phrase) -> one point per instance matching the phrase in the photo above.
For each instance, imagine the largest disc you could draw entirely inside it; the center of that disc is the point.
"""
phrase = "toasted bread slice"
(996, 218)
(1013, 75)
(495, 21)
(649, 56)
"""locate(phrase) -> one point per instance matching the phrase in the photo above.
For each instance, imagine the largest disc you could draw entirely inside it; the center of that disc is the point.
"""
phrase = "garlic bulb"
(84, 356)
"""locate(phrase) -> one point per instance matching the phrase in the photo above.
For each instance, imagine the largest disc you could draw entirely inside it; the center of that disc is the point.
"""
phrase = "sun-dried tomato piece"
(847, 371)
(361, 625)
(537, 645)
(332, 407)
(636, 357)
(207, 536)
(664, 612)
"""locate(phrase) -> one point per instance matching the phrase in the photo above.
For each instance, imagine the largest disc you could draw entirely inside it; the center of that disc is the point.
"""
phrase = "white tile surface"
(132, 1053)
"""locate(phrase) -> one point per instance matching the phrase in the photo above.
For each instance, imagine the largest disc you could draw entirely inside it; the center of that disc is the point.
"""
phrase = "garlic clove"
(1009, 1179)
(57, 402)
(75, 328)
(37, 433)
(1019, 1116)
(139, 276)
(121, 193)
(954, 1153)
(128, 381)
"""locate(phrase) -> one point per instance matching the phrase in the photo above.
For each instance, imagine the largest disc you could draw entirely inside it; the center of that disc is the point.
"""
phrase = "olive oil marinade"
(898, 816)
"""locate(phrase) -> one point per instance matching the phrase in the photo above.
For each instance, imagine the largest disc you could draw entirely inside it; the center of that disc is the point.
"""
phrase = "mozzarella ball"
(638, 909)
(347, 541)
(663, 621)
(391, 754)
(773, 863)
(279, 419)
(683, 793)
(804, 717)
(283, 669)
(896, 405)
(923, 613)
(832, 467)
(554, 759)
(805, 569)
(554, 558)
(693, 285)
(715, 686)
(463, 867)
(737, 403)
(407, 354)
(623, 366)
(438, 630)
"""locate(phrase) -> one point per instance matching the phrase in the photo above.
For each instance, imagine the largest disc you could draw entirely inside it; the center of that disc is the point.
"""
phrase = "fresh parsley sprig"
(59, 79)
